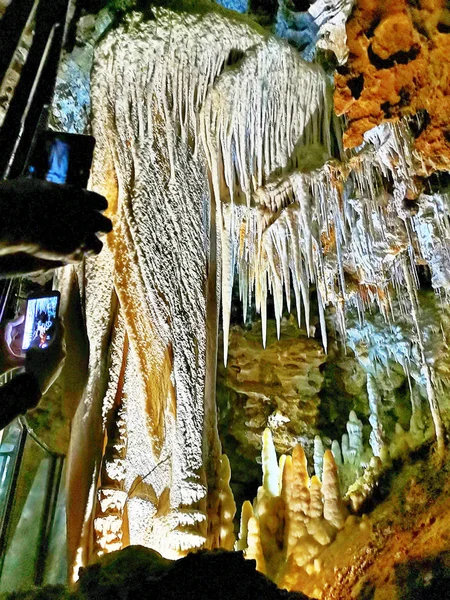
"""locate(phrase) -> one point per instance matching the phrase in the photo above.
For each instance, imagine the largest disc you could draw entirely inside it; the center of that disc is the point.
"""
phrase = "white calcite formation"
(330, 16)
(294, 517)
(156, 87)
(338, 227)
(218, 153)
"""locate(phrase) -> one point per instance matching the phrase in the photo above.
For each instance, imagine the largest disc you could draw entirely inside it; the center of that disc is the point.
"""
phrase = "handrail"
(34, 437)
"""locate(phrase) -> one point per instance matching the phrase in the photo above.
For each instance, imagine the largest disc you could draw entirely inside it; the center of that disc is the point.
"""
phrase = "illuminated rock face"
(274, 387)
(158, 128)
(398, 65)
(221, 160)
(159, 270)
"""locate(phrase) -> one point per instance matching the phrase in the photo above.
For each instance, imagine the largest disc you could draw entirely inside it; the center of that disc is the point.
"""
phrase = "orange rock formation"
(399, 65)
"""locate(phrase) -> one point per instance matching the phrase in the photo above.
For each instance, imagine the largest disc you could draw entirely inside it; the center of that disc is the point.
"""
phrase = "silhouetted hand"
(46, 364)
(50, 224)
(11, 354)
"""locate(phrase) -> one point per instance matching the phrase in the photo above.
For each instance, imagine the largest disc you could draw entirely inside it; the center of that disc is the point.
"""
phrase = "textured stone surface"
(315, 25)
(71, 105)
(361, 226)
(401, 550)
(398, 65)
(12, 75)
(276, 387)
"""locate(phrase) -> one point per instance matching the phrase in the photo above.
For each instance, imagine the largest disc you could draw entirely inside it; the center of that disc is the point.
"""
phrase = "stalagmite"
(296, 494)
(300, 496)
(355, 439)
(269, 464)
(316, 504)
(336, 450)
(221, 510)
(333, 509)
(377, 435)
(254, 548)
(318, 456)
(109, 523)
(246, 515)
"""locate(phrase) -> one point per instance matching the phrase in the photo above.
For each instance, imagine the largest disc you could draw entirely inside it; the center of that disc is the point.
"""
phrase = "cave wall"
(343, 237)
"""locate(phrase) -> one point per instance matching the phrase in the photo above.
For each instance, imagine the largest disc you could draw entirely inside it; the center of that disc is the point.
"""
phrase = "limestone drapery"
(188, 100)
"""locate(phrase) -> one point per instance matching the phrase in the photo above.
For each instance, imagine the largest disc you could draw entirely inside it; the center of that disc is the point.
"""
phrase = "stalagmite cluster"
(293, 516)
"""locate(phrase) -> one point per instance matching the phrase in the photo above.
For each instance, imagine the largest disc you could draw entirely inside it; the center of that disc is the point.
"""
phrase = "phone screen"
(62, 158)
(40, 320)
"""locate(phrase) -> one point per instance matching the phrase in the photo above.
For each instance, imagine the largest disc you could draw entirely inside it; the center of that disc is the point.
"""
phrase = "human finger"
(96, 201)
(98, 222)
(92, 245)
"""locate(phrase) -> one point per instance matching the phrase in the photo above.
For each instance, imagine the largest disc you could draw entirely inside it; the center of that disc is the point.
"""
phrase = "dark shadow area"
(137, 572)
(424, 580)
(402, 57)
(356, 85)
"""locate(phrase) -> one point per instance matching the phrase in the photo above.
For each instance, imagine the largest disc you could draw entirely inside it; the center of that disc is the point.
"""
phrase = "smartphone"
(64, 158)
(40, 320)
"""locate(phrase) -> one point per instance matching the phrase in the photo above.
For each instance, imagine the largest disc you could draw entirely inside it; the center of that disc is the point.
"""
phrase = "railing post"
(48, 515)
(6, 520)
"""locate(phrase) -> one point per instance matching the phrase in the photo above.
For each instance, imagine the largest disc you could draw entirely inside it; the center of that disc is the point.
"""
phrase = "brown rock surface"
(398, 551)
(398, 66)
(276, 387)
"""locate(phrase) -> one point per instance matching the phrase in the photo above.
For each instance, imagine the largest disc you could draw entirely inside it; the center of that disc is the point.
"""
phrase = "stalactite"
(253, 146)
(426, 370)
(377, 434)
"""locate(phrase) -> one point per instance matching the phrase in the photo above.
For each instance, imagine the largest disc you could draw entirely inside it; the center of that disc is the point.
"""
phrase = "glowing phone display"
(40, 320)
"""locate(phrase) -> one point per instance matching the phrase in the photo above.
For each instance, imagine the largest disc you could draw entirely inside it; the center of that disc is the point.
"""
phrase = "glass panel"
(9, 448)
(26, 519)
(56, 565)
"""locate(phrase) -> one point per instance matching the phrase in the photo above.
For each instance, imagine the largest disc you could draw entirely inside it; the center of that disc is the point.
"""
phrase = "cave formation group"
(249, 175)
